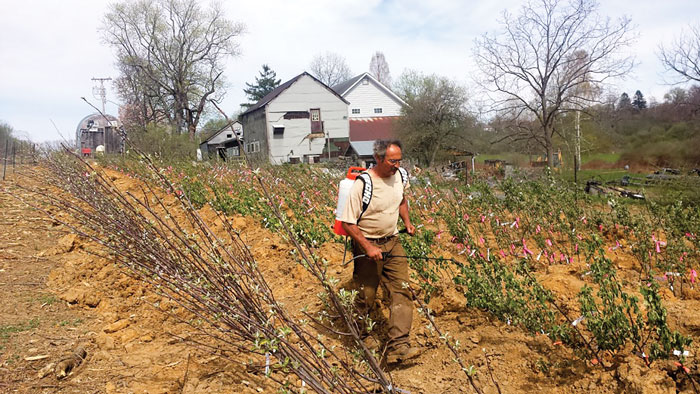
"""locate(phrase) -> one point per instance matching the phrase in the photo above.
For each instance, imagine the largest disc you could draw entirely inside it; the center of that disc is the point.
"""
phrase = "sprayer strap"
(404, 176)
(366, 192)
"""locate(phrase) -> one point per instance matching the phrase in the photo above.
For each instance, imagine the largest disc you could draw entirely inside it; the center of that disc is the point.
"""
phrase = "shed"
(222, 143)
(363, 151)
(97, 131)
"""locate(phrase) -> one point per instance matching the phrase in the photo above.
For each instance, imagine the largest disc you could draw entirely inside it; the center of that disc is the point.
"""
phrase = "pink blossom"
(548, 242)
(538, 229)
(693, 276)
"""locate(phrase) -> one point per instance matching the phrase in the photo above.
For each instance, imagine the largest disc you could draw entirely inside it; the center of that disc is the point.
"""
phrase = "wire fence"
(14, 152)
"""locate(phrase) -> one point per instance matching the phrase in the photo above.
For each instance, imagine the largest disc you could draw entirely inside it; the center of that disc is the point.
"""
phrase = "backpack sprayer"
(343, 192)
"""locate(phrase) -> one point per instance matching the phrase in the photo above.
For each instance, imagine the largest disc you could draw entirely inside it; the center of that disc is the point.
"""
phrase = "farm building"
(222, 143)
(373, 108)
(97, 134)
(296, 122)
(369, 98)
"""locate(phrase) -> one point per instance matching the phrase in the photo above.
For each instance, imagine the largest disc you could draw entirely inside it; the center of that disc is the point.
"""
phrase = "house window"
(365, 81)
(355, 110)
(377, 110)
(315, 115)
(278, 131)
(253, 147)
(230, 135)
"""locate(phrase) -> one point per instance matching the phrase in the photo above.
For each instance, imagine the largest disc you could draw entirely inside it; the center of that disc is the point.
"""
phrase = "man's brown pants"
(393, 273)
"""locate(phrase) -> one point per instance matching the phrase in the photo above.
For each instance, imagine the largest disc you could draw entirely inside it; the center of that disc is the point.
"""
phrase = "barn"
(97, 134)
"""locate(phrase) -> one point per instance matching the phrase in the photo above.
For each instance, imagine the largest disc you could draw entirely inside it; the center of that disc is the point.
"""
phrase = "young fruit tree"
(535, 66)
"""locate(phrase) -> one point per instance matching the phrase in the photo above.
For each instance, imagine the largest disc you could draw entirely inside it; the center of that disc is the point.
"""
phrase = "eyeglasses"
(394, 162)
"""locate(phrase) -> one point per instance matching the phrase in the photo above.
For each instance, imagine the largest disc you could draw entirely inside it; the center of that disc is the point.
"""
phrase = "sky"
(50, 50)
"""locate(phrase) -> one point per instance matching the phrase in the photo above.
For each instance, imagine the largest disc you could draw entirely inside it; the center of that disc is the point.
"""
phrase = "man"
(374, 232)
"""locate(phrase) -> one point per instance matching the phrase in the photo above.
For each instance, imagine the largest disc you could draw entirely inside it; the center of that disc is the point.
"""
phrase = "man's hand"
(410, 229)
(374, 252)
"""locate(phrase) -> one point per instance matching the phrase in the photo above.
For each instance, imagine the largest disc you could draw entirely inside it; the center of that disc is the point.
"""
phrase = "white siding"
(304, 95)
(369, 96)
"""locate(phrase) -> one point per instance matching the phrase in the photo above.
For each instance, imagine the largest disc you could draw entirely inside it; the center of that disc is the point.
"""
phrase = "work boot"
(401, 353)
(371, 343)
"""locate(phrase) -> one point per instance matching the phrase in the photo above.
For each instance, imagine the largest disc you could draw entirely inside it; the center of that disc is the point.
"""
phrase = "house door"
(316, 126)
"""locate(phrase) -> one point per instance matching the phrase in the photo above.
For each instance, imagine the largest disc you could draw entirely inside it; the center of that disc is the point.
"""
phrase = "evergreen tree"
(639, 103)
(624, 104)
(263, 85)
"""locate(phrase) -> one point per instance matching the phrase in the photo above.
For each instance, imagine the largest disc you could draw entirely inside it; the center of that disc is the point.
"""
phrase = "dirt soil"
(58, 295)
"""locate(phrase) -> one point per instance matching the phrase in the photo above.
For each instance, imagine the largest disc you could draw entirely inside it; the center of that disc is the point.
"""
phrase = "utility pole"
(578, 140)
(101, 91)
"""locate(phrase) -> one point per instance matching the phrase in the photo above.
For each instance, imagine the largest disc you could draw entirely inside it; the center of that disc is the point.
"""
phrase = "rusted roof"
(370, 129)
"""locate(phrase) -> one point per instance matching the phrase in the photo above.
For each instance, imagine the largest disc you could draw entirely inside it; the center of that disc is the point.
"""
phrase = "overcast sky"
(50, 50)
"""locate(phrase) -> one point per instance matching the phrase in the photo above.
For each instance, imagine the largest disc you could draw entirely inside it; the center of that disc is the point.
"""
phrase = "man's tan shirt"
(379, 220)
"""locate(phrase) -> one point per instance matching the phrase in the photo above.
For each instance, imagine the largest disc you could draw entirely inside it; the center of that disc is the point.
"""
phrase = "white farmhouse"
(295, 122)
(373, 111)
(369, 98)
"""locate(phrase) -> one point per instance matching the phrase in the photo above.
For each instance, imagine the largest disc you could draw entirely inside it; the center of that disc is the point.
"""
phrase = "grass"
(604, 157)
(6, 331)
(512, 158)
(47, 299)
(72, 323)
(602, 175)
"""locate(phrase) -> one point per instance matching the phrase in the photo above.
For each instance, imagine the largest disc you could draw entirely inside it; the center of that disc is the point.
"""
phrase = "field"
(153, 267)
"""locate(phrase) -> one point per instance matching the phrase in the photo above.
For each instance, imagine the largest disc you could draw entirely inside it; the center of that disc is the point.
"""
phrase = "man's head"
(387, 153)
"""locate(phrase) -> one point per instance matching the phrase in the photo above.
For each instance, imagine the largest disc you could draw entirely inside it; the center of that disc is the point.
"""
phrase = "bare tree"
(330, 68)
(171, 55)
(535, 67)
(683, 56)
(379, 68)
(434, 118)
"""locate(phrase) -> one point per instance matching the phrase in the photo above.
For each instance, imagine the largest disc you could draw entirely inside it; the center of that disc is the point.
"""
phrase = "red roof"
(370, 129)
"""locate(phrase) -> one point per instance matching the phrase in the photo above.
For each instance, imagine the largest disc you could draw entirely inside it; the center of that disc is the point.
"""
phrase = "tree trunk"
(548, 147)
(192, 128)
